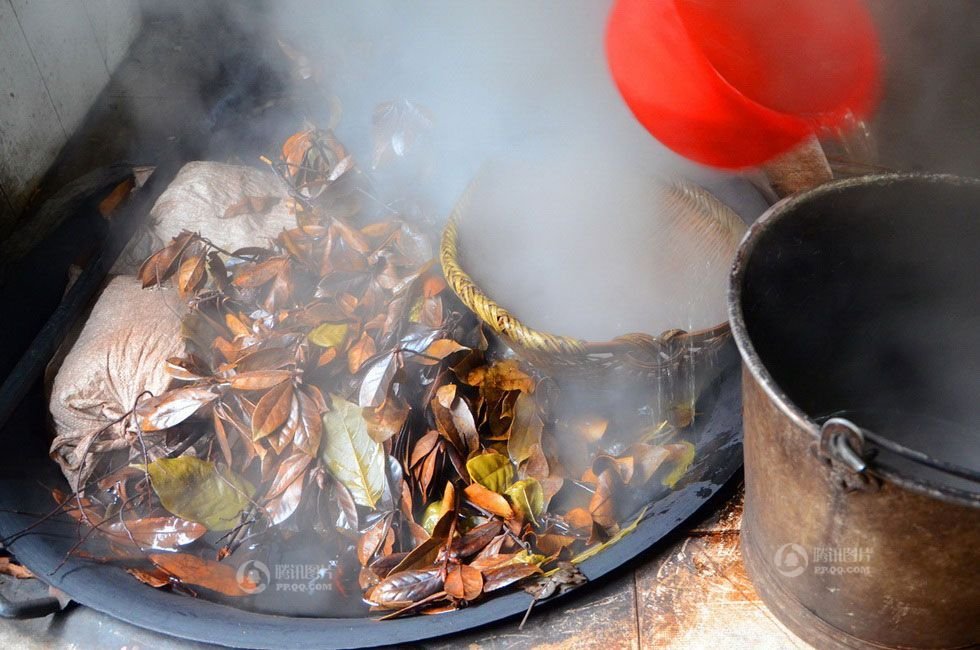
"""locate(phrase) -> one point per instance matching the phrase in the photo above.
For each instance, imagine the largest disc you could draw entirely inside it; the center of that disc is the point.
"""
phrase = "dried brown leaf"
(173, 407)
(259, 379)
(191, 275)
(406, 587)
(464, 582)
(489, 501)
(155, 577)
(360, 352)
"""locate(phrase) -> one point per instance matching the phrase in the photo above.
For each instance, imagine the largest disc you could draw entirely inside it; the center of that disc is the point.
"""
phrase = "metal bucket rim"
(753, 363)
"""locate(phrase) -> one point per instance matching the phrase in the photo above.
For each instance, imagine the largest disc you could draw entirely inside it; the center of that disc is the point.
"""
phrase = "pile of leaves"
(333, 386)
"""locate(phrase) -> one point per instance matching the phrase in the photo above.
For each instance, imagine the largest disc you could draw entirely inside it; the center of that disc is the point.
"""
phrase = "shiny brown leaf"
(406, 587)
(272, 411)
(163, 263)
(255, 275)
(209, 574)
(158, 533)
(500, 577)
(155, 578)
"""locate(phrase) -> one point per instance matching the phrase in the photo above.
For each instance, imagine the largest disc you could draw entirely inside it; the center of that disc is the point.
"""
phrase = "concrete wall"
(55, 58)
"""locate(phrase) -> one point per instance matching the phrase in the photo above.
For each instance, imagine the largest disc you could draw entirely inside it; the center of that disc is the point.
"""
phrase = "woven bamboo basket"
(669, 359)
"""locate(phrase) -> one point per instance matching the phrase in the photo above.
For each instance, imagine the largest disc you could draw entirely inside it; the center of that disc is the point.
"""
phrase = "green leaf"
(526, 557)
(683, 454)
(491, 470)
(197, 490)
(350, 453)
(433, 513)
(525, 430)
(327, 335)
(527, 497)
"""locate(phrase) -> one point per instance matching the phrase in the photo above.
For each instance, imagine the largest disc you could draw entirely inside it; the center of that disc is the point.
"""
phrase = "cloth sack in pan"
(120, 353)
(199, 199)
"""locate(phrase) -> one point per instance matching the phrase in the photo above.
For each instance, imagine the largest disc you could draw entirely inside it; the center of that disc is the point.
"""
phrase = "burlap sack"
(120, 353)
(197, 200)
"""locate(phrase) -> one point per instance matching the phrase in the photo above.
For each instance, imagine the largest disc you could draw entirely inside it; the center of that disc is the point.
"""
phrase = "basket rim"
(508, 325)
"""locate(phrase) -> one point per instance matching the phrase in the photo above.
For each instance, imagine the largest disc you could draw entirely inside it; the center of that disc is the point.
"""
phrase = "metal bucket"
(856, 308)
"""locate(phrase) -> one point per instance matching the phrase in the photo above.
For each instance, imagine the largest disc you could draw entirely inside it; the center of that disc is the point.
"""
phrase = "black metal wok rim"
(753, 363)
(201, 620)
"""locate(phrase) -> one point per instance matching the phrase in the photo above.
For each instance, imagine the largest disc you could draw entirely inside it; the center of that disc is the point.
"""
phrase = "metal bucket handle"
(843, 445)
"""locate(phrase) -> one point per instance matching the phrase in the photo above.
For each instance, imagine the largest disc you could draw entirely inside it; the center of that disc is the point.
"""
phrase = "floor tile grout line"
(636, 611)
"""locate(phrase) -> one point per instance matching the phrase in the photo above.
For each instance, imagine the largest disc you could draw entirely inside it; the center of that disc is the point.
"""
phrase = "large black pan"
(26, 476)
(111, 590)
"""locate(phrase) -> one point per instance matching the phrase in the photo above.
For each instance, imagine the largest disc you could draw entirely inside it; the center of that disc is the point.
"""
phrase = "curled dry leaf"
(172, 408)
(266, 359)
(290, 470)
(377, 380)
(397, 125)
(423, 447)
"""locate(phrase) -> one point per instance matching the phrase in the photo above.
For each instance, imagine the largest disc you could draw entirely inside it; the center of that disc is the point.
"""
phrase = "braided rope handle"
(501, 320)
(636, 349)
